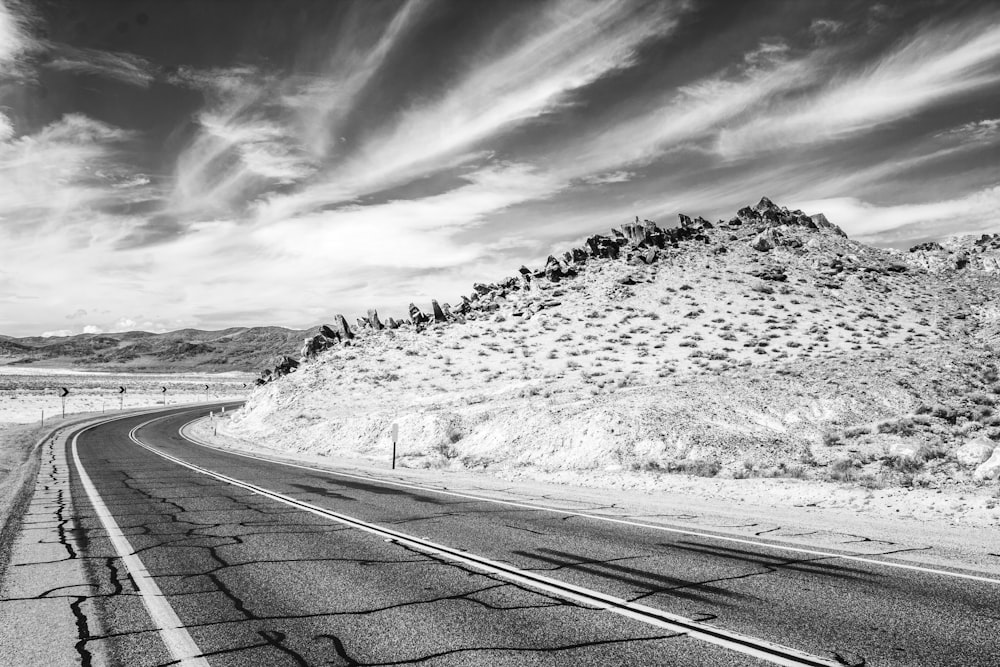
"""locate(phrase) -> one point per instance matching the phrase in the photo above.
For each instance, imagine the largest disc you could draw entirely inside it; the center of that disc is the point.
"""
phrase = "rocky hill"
(769, 344)
(241, 349)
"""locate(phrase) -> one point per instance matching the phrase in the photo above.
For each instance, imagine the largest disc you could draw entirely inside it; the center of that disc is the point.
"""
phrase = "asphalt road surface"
(266, 564)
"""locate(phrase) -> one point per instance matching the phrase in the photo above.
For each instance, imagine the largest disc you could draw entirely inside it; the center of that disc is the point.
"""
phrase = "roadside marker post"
(63, 395)
(121, 398)
(164, 392)
(395, 437)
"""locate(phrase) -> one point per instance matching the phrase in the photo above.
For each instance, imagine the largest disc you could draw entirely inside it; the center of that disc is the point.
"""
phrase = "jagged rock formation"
(638, 243)
(978, 253)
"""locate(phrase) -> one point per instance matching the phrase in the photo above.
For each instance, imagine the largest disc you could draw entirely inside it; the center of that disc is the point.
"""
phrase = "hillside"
(239, 349)
(766, 345)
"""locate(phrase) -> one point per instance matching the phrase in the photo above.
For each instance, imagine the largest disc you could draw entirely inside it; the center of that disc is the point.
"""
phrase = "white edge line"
(727, 639)
(598, 517)
(179, 643)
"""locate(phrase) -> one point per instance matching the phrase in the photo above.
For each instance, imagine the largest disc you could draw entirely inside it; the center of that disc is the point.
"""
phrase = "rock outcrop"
(341, 326)
(962, 253)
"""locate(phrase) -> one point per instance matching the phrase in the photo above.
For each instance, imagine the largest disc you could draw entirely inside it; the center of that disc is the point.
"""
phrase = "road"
(260, 563)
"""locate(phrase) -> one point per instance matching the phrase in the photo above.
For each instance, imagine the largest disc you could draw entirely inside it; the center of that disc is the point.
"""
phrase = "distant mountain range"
(235, 349)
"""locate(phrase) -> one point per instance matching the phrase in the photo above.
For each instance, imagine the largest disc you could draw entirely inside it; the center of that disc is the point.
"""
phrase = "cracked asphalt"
(257, 582)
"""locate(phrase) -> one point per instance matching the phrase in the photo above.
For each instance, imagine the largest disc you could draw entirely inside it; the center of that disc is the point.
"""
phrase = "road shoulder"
(768, 518)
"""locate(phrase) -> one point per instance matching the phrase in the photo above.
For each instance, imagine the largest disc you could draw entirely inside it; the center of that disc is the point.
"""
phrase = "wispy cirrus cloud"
(16, 42)
(564, 50)
(975, 132)
(125, 67)
(56, 173)
(938, 63)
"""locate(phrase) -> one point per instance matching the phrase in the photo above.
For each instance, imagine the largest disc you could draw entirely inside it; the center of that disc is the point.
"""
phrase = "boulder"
(765, 205)
(975, 451)
(329, 333)
(988, 469)
(285, 366)
(374, 320)
(313, 346)
(438, 313)
(416, 316)
(930, 246)
(765, 241)
(553, 270)
(341, 326)
(773, 273)
(904, 450)
(634, 232)
(822, 223)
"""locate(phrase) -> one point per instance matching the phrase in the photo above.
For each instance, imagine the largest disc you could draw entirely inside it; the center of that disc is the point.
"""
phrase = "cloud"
(976, 132)
(125, 67)
(57, 333)
(55, 174)
(262, 131)
(92, 329)
(80, 312)
(936, 64)
(821, 29)
(565, 50)
(975, 212)
(691, 115)
(620, 176)
(411, 233)
(16, 42)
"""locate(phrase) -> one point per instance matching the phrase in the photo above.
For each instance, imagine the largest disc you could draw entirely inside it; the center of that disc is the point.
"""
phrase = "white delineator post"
(395, 437)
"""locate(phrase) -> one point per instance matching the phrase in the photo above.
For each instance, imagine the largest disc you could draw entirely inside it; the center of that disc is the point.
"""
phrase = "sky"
(209, 164)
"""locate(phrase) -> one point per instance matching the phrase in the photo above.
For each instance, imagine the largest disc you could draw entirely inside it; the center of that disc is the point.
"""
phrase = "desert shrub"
(832, 439)
(785, 470)
(905, 464)
(983, 399)
(842, 470)
(950, 415)
(903, 427)
(696, 468)
(870, 481)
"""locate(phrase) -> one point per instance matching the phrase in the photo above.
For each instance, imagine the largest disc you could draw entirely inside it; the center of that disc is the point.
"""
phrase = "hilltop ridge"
(766, 344)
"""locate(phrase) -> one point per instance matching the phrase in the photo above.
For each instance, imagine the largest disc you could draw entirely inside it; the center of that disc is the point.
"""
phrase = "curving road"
(267, 564)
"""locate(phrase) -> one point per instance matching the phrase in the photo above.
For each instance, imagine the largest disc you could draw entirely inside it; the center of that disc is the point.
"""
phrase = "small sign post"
(121, 398)
(163, 390)
(395, 437)
(63, 393)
